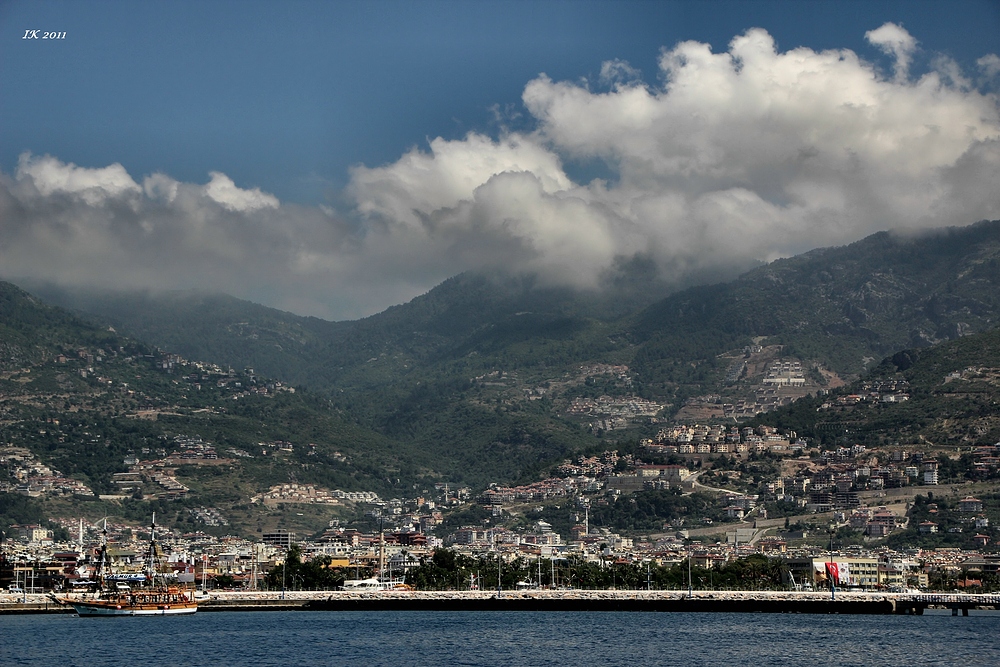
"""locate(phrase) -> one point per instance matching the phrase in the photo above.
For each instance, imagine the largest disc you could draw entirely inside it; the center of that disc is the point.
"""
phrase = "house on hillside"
(970, 505)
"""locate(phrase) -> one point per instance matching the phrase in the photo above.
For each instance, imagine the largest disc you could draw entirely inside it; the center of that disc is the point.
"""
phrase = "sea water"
(508, 639)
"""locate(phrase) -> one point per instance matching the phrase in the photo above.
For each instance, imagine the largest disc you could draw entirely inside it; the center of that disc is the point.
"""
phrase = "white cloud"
(895, 41)
(419, 183)
(98, 227)
(221, 189)
(52, 177)
(990, 65)
(160, 187)
(728, 159)
(619, 73)
(739, 156)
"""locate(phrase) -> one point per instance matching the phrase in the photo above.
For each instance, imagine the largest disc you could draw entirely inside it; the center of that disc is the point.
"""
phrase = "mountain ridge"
(488, 379)
(410, 373)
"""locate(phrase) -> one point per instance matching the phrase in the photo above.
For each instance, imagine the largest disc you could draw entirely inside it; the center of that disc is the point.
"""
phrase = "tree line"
(446, 569)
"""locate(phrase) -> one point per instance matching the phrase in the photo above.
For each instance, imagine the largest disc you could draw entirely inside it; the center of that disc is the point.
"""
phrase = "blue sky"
(286, 97)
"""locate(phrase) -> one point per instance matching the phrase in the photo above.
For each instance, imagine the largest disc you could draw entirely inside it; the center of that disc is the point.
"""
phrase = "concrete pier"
(515, 602)
(846, 602)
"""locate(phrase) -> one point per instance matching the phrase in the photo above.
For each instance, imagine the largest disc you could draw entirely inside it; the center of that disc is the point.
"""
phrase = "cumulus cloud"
(619, 73)
(735, 157)
(727, 159)
(895, 41)
(990, 65)
(99, 227)
(222, 190)
(50, 177)
(405, 192)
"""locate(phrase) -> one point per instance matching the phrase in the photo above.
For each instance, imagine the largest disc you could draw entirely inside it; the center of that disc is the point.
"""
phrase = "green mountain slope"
(477, 375)
(200, 325)
(405, 373)
(400, 425)
(843, 306)
(476, 381)
(953, 400)
(468, 315)
(80, 406)
(32, 331)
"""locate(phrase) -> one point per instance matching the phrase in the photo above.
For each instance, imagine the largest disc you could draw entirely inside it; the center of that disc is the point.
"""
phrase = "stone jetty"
(597, 601)
(843, 602)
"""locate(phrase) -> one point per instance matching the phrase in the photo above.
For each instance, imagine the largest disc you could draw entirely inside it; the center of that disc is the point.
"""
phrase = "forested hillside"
(845, 307)
(952, 399)
(489, 378)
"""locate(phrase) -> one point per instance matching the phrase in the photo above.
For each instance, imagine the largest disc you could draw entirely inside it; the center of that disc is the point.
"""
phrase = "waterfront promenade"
(844, 602)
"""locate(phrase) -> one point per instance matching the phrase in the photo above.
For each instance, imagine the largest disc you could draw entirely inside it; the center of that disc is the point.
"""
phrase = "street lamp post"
(499, 565)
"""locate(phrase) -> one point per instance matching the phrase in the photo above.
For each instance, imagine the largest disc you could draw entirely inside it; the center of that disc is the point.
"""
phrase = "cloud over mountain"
(725, 159)
(745, 155)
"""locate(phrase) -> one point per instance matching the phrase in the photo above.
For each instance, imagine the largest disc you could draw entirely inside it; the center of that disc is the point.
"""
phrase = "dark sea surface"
(508, 639)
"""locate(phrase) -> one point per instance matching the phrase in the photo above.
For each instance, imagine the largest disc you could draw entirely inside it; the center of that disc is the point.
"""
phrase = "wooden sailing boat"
(155, 598)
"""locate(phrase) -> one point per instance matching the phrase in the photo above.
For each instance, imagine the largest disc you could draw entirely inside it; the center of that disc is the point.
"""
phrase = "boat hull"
(108, 609)
(155, 602)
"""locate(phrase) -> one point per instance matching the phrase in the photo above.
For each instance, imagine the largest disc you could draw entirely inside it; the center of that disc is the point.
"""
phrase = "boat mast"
(253, 569)
(103, 563)
(381, 549)
(151, 556)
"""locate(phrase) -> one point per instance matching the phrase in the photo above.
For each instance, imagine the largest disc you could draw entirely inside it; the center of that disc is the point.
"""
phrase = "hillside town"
(842, 506)
(706, 489)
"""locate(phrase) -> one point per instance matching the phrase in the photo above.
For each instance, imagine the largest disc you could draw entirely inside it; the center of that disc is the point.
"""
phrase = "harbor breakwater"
(558, 600)
(605, 603)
